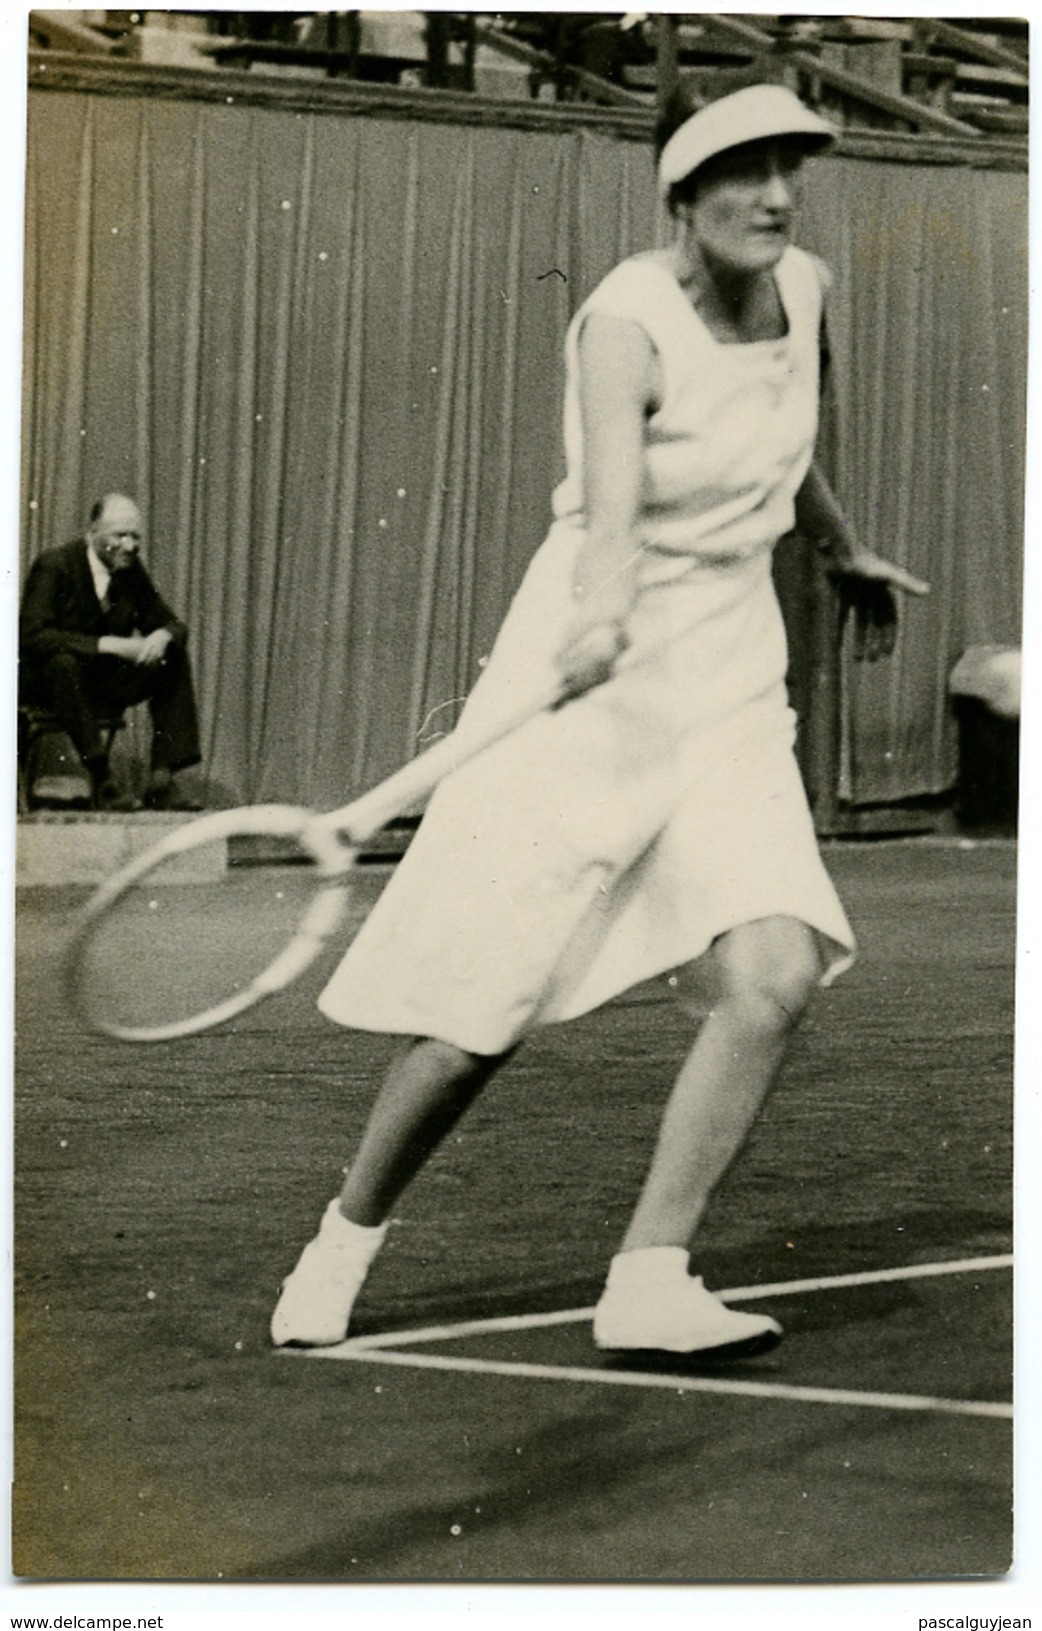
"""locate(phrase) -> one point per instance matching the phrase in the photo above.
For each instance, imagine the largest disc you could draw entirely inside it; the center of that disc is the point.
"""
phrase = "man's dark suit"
(61, 668)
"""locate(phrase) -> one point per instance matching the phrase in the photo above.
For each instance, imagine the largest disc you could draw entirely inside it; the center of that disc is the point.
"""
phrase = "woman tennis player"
(655, 823)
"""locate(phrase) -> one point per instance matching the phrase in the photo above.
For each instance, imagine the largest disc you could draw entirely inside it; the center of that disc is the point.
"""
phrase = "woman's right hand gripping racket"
(233, 906)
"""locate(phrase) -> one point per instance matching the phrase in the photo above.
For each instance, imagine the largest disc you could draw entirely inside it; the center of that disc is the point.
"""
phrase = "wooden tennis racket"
(235, 905)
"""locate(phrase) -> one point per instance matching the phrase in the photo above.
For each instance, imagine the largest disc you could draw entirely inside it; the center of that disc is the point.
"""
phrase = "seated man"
(95, 638)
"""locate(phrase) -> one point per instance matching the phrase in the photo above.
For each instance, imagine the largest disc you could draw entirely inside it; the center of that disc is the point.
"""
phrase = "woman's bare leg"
(765, 973)
(426, 1090)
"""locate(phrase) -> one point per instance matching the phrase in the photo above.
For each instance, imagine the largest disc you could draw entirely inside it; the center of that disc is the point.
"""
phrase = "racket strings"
(197, 931)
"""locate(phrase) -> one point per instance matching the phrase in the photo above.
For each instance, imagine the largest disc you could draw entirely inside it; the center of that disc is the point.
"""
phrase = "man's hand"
(145, 649)
(154, 647)
(125, 646)
(866, 584)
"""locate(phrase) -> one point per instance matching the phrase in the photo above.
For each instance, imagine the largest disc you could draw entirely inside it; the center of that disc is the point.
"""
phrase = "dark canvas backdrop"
(324, 351)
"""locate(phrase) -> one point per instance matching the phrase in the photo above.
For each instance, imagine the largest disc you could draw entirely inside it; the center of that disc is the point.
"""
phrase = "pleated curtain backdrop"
(325, 353)
(928, 329)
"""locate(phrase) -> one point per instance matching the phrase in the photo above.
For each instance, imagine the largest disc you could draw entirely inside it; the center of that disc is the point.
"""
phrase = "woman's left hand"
(866, 584)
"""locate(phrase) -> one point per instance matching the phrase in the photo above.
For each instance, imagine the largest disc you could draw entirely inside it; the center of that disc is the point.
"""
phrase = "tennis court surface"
(469, 1430)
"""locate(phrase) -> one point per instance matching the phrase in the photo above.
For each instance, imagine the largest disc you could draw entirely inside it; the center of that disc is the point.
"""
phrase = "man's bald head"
(114, 530)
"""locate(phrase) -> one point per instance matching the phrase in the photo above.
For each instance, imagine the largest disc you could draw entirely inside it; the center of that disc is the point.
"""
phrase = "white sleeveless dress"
(615, 838)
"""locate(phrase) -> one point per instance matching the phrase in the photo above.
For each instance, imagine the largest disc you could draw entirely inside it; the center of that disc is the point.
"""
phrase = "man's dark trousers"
(81, 690)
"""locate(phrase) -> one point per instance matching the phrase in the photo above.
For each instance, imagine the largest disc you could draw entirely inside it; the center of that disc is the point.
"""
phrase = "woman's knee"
(770, 969)
(453, 1065)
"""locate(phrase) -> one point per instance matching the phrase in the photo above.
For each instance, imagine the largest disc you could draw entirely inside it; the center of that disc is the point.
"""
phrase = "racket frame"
(332, 839)
(320, 920)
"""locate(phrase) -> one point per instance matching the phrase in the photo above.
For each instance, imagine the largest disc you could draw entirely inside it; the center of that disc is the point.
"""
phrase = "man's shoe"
(112, 799)
(651, 1304)
(163, 793)
(159, 790)
(315, 1306)
(60, 793)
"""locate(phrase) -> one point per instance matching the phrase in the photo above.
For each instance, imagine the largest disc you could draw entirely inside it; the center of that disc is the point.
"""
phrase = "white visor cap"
(750, 115)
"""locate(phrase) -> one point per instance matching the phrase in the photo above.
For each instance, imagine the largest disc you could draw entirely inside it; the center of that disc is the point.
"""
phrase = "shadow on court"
(163, 1192)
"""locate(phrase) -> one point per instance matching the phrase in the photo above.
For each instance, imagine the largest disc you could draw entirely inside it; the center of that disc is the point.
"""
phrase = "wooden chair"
(35, 726)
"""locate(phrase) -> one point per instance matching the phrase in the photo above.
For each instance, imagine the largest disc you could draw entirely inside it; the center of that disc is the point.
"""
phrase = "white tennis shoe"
(314, 1309)
(651, 1303)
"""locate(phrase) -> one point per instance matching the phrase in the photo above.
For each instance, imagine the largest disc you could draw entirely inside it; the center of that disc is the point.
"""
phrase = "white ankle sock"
(648, 1266)
(359, 1238)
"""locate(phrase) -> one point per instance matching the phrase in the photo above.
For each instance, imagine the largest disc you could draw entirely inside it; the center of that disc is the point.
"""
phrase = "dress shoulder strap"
(804, 281)
(641, 290)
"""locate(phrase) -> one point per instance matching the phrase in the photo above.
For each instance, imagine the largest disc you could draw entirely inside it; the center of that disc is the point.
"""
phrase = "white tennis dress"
(615, 838)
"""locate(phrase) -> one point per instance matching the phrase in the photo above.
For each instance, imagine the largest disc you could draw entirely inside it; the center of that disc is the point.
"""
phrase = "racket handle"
(366, 815)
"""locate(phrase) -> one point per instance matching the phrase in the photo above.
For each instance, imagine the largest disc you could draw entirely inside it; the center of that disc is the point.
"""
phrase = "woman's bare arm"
(617, 367)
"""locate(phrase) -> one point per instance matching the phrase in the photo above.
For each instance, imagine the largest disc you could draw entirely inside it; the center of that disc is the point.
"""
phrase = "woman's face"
(741, 215)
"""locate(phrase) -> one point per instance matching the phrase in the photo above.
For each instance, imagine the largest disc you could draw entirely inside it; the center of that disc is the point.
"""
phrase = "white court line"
(576, 1316)
(912, 1271)
(387, 1349)
(646, 1379)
